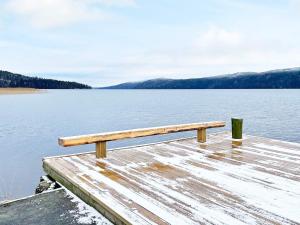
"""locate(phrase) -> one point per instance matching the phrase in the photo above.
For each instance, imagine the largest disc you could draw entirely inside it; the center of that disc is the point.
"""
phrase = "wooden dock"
(188, 182)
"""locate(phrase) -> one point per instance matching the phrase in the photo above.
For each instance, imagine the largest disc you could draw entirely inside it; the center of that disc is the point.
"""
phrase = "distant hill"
(8, 79)
(286, 78)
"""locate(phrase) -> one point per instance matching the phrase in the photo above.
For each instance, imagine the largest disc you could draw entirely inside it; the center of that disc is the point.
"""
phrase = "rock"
(43, 186)
(46, 184)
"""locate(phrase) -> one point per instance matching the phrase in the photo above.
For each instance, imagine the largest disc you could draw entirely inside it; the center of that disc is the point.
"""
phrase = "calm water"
(31, 124)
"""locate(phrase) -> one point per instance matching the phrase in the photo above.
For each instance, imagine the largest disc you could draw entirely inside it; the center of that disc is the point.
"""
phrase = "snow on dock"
(187, 182)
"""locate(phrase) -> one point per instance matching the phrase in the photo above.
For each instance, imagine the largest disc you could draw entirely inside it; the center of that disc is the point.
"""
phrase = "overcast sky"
(103, 42)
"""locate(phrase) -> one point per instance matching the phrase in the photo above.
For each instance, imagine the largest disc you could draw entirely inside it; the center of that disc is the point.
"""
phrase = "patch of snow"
(277, 148)
(86, 214)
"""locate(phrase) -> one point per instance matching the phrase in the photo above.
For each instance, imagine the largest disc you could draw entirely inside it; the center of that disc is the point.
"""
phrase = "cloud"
(57, 13)
(217, 37)
(295, 4)
(117, 3)
(214, 51)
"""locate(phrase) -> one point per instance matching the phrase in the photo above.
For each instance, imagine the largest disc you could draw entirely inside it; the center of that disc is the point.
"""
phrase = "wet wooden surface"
(187, 182)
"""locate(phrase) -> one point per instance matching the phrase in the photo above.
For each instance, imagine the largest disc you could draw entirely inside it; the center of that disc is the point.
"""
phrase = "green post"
(237, 128)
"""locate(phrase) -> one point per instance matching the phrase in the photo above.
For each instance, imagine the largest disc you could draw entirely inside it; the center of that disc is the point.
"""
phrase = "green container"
(237, 128)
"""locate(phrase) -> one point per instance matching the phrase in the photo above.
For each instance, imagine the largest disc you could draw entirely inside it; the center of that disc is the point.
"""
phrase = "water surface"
(31, 124)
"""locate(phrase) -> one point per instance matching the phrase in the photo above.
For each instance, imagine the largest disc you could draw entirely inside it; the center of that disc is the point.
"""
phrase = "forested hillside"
(287, 78)
(8, 79)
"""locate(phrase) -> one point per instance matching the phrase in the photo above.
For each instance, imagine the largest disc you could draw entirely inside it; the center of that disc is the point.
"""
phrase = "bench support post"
(201, 135)
(101, 149)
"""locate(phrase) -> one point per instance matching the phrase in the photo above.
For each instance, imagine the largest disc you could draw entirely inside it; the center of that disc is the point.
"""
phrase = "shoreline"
(14, 91)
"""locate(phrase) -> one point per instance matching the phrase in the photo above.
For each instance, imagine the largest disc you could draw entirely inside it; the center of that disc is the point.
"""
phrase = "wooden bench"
(100, 139)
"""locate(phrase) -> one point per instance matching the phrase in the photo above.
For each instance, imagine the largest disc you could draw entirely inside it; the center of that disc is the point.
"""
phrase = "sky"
(105, 42)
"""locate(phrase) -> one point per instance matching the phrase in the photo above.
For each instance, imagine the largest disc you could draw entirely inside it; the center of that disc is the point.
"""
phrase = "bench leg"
(101, 149)
(201, 135)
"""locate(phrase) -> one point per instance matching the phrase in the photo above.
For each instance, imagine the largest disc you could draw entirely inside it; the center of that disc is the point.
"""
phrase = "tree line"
(12, 80)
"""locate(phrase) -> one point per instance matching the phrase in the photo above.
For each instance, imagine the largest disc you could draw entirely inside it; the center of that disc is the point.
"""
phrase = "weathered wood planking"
(187, 182)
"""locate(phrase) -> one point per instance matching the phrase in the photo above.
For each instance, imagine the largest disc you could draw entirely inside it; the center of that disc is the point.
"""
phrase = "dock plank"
(187, 182)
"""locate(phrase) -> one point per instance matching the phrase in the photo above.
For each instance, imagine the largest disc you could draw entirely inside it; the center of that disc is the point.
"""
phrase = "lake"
(30, 124)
